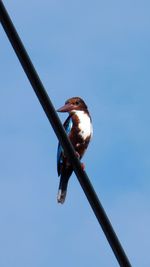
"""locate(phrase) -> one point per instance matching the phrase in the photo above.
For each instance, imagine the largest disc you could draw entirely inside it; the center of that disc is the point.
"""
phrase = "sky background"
(99, 50)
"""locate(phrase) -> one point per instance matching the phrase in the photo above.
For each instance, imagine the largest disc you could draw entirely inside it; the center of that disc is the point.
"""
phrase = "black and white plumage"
(79, 129)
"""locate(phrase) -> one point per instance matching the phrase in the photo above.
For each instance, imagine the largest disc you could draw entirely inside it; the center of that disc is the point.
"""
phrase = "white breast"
(85, 124)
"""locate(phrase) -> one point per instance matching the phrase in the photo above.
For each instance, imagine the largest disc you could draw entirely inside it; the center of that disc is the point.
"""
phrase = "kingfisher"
(78, 127)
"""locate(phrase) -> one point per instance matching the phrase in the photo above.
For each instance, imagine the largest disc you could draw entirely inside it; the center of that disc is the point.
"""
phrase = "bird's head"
(73, 104)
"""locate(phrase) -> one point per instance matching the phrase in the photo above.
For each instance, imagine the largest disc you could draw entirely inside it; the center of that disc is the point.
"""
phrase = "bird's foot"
(83, 166)
(78, 155)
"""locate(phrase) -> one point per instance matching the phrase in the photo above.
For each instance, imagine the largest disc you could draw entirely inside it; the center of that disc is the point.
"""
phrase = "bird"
(79, 129)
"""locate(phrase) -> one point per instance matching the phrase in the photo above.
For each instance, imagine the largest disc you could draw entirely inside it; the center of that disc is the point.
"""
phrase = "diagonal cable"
(62, 136)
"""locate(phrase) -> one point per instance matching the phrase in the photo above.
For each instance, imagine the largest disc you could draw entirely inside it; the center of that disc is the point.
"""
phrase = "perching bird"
(78, 126)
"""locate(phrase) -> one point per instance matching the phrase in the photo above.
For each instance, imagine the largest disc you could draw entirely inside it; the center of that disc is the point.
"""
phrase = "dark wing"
(68, 126)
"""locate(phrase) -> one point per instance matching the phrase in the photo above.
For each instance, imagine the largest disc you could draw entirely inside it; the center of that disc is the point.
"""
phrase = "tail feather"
(62, 190)
(64, 178)
(61, 196)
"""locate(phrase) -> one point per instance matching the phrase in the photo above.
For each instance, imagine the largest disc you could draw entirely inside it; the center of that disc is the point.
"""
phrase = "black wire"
(62, 136)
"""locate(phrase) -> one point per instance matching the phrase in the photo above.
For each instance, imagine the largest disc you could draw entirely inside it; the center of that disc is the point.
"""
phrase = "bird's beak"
(66, 108)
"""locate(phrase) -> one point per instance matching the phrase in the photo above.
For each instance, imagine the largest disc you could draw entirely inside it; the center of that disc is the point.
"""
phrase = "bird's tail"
(62, 190)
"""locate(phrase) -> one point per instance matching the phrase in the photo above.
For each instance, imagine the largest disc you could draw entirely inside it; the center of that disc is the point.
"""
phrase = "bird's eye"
(77, 103)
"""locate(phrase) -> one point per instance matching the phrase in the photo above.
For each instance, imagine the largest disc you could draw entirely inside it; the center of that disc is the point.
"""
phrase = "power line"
(62, 136)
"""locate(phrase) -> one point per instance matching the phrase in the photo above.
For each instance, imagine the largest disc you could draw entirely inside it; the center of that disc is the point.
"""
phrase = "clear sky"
(99, 50)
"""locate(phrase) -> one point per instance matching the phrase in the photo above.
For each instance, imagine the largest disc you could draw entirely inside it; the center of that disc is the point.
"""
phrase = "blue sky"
(98, 50)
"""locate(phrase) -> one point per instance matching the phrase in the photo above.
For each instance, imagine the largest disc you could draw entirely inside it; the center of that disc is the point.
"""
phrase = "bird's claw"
(83, 166)
(78, 155)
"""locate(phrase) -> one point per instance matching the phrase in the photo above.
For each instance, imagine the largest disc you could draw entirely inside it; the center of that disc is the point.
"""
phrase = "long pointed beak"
(66, 108)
